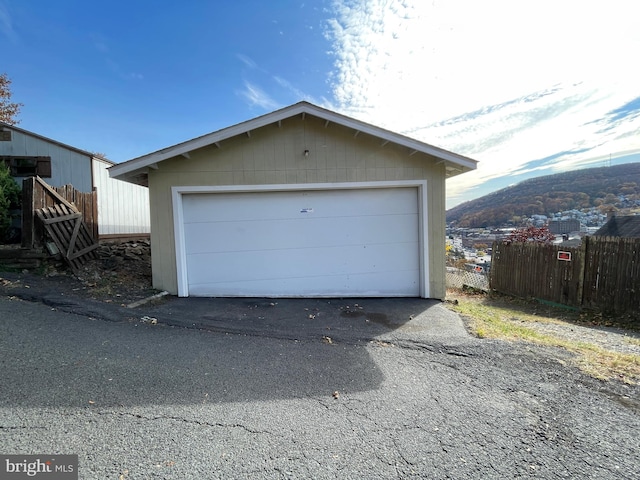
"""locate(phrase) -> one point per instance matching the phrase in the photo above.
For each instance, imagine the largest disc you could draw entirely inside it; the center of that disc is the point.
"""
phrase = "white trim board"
(177, 193)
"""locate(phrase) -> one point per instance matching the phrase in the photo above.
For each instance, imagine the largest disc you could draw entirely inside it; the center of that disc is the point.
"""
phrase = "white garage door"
(352, 242)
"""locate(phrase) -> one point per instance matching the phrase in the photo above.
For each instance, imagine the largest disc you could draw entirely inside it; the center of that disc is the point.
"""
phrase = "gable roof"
(135, 170)
(627, 226)
(6, 126)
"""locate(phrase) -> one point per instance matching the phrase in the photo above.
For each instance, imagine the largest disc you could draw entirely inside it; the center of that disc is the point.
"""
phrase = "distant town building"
(559, 227)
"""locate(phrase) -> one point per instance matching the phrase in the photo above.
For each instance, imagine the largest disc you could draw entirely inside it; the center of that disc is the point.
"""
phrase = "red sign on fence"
(564, 256)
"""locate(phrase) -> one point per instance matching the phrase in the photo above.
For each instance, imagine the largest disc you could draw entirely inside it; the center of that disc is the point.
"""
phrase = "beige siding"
(275, 155)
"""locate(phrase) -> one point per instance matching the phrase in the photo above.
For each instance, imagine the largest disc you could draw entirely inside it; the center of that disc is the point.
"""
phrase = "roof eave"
(204, 141)
(138, 164)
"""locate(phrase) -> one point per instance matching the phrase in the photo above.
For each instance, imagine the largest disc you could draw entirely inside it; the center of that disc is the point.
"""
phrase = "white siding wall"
(123, 208)
(67, 166)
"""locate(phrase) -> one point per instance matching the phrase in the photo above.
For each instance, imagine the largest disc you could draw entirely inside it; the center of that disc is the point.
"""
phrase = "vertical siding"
(67, 166)
(274, 155)
(437, 231)
(123, 208)
(163, 262)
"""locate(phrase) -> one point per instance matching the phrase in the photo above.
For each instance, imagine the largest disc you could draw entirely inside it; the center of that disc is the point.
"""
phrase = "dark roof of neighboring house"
(628, 226)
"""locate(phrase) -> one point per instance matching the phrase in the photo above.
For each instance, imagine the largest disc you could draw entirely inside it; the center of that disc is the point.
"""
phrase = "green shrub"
(9, 199)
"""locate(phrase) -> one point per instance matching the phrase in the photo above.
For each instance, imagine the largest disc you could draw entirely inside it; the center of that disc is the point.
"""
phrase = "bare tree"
(8, 110)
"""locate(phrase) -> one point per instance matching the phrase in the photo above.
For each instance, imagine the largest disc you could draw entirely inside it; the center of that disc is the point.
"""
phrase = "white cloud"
(504, 82)
(256, 96)
(100, 42)
(117, 69)
(247, 61)
(287, 85)
(295, 92)
(6, 23)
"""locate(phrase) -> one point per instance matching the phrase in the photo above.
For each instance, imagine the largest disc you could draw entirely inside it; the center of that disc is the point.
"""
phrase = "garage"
(301, 242)
(298, 202)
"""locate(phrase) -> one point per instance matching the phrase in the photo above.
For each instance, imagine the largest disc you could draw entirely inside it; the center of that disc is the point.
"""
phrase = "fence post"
(27, 213)
(494, 254)
(583, 260)
(94, 216)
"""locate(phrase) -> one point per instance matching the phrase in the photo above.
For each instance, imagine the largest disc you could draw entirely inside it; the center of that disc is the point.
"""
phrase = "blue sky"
(527, 88)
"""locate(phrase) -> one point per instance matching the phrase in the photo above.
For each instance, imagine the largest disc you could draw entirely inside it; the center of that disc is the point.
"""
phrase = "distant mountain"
(581, 189)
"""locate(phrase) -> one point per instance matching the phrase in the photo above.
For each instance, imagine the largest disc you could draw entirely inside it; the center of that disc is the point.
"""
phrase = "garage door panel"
(198, 208)
(395, 285)
(307, 232)
(353, 203)
(301, 263)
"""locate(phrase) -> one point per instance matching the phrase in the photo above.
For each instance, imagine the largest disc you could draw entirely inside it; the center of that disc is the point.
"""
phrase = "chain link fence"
(457, 278)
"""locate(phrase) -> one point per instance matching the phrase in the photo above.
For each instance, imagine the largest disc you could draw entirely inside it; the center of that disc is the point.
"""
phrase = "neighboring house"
(302, 201)
(123, 209)
(625, 226)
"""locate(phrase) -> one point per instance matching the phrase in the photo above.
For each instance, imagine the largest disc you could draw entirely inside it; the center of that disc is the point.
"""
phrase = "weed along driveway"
(254, 388)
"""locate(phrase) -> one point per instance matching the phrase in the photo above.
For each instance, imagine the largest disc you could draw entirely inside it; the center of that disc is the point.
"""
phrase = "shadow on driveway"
(350, 320)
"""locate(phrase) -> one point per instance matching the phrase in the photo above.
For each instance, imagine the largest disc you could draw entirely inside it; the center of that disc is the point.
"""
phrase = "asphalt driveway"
(251, 388)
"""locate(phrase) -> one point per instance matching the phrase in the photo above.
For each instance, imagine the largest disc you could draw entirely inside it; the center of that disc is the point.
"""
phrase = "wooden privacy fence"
(61, 220)
(612, 274)
(603, 273)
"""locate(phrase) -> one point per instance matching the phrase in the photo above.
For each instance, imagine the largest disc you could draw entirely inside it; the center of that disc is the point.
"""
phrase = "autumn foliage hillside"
(581, 189)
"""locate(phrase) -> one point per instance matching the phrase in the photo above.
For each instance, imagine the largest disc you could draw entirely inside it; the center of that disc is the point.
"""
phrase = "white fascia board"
(297, 186)
(115, 173)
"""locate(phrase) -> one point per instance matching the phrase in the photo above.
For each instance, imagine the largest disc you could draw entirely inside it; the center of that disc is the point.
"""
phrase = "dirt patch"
(120, 274)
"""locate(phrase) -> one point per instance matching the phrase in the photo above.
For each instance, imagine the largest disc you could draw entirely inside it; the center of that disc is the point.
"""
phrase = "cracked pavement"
(252, 389)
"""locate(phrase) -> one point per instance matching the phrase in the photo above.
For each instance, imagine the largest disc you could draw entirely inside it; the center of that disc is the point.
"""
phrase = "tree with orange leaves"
(8, 109)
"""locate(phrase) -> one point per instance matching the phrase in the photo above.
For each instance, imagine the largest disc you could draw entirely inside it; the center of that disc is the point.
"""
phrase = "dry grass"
(633, 341)
(516, 320)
